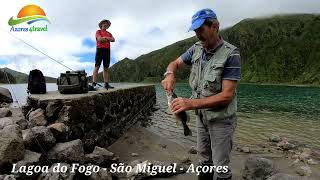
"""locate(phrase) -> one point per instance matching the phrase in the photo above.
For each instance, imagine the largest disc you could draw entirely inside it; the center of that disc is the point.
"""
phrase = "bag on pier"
(36, 82)
(73, 82)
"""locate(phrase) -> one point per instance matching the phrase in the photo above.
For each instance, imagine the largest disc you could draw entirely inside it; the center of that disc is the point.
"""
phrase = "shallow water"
(262, 110)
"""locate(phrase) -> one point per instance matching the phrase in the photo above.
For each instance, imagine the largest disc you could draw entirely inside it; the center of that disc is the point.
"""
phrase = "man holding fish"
(214, 75)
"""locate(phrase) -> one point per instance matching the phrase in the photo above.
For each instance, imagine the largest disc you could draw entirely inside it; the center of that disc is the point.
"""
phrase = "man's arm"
(185, 59)
(110, 38)
(221, 99)
(169, 81)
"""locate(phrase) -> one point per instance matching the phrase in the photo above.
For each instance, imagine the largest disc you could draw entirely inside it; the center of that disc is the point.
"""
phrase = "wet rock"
(100, 156)
(312, 162)
(285, 145)
(134, 154)
(245, 149)
(5, 112)
(274, 138)
(306, 153)
(37, 118)
(6, 121)
(53, 175)
(11, 145)
(7, 177)
(281, 176)
(164, 146)
(295, 156)
(304, 156)
(59, 131)
(304, 171)
(295, 162)
(21, 121)
(193, 150)
(103, 174)
(257, 168)
(38, 135)
(5, 95)
(67, 152)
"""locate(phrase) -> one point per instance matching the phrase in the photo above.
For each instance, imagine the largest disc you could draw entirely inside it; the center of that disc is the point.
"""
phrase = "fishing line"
(36, 49)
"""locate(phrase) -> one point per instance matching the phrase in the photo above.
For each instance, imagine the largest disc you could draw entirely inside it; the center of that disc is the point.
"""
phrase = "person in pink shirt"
(103, 39)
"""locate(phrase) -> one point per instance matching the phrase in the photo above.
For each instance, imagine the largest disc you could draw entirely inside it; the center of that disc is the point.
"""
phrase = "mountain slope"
(4, 78)
(278, 49)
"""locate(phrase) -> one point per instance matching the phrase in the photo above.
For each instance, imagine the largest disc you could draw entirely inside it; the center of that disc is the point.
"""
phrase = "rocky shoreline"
(279, 158)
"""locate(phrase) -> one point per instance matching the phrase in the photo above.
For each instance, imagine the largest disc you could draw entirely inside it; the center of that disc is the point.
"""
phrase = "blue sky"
(139, 27)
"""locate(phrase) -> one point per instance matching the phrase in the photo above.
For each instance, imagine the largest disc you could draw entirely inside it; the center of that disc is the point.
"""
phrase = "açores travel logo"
(28, 15)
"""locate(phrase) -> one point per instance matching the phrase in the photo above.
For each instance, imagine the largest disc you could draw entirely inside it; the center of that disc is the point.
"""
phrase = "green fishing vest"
(208, 81)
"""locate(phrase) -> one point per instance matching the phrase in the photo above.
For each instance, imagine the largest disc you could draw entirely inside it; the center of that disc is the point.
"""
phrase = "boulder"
(11, 145)
(38, 135)
(21, 121)
(6, 121)
(312, 162)
(134, 154)
(60, 131)
(5, 112)
(100, 156)
(53, 175)
(67, 152)
(274, 138)
(37, 117)
(257, 168)
(193, 150)
(5, 95)
(245, 149)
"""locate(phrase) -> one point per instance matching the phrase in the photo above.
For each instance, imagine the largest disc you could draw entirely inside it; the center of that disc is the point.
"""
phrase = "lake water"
(263, 110)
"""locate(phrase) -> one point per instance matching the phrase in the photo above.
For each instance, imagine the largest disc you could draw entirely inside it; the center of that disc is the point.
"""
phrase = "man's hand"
(181, 104)
(169, 82)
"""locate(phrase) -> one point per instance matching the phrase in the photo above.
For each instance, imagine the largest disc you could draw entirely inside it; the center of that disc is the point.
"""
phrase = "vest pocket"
(211, 86)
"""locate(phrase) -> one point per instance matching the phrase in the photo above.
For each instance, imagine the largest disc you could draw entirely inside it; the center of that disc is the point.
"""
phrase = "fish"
(181, 117)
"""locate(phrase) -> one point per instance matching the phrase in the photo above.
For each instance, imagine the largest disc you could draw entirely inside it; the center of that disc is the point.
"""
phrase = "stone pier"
(97, 118)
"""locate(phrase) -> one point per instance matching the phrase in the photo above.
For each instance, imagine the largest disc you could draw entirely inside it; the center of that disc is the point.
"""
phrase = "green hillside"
(278, 49)
(23, 78)
(4, 78)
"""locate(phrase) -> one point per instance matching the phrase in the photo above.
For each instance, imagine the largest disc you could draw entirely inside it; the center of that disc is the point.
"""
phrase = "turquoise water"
(263, 110)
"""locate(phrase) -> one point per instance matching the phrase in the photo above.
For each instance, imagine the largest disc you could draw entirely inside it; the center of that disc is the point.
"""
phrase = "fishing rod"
(36, 49)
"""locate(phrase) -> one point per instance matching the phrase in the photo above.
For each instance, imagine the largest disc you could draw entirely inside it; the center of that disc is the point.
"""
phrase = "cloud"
(138, 26)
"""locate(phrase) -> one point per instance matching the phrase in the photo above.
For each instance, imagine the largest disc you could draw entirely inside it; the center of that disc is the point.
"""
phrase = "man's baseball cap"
(199, 17)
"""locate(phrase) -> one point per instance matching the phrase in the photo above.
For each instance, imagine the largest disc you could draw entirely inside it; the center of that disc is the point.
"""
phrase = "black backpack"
(36, 82)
